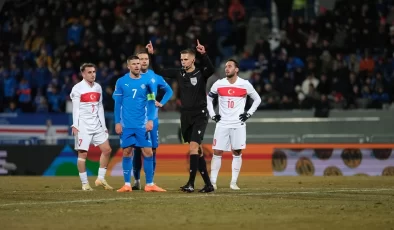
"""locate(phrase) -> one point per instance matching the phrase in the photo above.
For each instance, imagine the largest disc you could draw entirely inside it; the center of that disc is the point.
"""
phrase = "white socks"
(216, 163)
(101, 173)
(236, 167)
(84, 175)
(84, 178)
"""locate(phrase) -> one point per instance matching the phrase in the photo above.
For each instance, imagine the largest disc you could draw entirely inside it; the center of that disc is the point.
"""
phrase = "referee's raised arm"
(164, 72)
(207, 67)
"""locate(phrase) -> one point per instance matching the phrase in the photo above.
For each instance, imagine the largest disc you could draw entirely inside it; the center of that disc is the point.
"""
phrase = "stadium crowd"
(43, 43)
(340, 59)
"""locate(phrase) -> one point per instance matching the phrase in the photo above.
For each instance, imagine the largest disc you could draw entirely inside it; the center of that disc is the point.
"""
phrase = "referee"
(194, 114)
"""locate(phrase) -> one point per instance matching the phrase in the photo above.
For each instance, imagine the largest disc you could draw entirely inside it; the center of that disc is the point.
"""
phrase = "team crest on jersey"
(142, 86)
(193, 80)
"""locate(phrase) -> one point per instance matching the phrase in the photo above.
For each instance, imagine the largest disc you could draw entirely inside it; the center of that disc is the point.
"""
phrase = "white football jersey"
(232, 100)
(87, 107)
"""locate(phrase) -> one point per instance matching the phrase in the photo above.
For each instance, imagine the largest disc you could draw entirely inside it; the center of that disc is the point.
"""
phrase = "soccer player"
(89, 125)
(194, 116)
(158, 83)
(134, 114)
(230, 131)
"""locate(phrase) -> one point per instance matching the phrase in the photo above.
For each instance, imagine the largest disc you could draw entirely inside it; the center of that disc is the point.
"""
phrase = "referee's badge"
(193, 80)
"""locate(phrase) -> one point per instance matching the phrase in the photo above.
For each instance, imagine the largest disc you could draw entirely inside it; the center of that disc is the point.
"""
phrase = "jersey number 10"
(230, 104)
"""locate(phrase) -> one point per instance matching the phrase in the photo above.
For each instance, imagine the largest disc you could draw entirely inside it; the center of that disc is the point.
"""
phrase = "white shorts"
(83, 141)
(227, 139)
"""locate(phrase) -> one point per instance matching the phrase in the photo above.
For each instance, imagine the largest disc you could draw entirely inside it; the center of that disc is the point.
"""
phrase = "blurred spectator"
(50, 134)
(12, 108)
(24, 92)
(322, 108)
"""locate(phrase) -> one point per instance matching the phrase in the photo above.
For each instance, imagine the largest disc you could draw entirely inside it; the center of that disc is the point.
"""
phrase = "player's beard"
(144, 70)
(230, 75)
(136, 74)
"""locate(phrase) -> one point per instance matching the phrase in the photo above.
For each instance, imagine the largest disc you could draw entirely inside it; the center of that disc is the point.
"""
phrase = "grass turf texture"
(262, 203)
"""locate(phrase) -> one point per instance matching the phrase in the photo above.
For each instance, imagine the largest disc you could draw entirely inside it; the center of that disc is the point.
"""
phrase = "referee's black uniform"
(194, 114)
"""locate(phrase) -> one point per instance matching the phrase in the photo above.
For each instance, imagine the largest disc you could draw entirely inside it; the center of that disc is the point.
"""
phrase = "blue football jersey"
(133, 101)
(158, 83)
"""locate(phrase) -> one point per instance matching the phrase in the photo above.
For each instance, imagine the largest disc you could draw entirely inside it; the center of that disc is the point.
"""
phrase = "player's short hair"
(86, 65)
(133, 57)
(188, 51)
(234, 61)
(142, 52)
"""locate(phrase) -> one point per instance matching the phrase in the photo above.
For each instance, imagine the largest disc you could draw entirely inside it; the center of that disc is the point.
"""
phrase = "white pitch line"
(100, 200)
(197, 196)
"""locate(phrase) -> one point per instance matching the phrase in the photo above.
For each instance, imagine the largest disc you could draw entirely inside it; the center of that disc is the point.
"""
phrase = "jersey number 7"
(135, 91)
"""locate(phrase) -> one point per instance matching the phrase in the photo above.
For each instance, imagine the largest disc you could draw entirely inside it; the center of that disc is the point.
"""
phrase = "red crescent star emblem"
(230, 91)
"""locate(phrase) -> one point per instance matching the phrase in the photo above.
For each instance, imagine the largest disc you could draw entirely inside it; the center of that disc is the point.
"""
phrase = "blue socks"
(154, 161)
(137, 163)
(148, 168)
(126, 164)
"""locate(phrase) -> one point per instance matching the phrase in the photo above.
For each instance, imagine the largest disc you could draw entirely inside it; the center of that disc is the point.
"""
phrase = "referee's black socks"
(202, 167)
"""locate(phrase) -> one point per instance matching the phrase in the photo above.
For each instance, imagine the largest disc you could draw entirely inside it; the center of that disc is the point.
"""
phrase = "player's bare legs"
(235, 168)
(216, 163)
(104, 160)
(148, 169)
(126, 165)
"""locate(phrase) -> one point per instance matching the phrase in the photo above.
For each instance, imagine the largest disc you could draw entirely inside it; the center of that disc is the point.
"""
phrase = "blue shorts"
(135, 137)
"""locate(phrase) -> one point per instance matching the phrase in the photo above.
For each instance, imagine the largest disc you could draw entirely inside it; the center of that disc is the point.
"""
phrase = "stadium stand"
(321, 61)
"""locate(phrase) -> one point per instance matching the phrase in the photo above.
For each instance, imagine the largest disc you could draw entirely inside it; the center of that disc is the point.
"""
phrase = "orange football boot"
(125, 188)
(153, 188)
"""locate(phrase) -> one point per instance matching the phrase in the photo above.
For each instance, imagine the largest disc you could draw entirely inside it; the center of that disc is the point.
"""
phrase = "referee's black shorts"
(193, 125)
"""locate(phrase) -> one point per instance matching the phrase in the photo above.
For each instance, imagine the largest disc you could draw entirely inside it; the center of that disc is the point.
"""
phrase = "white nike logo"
(126, 85)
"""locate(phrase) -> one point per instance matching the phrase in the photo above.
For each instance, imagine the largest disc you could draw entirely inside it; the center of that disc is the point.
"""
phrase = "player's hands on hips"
(149, 125)
(158, 104)
(200, 48)
(118, 129)
(149, 47)
(216, 118)
(245, 116)
(74, 131)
